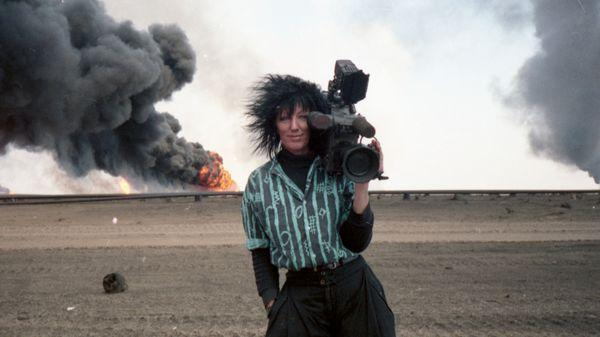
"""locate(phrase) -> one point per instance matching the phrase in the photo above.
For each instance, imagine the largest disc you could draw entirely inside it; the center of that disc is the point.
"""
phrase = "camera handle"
(380, 176)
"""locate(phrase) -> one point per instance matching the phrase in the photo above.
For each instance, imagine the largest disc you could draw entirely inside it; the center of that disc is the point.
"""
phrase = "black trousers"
(347, 301)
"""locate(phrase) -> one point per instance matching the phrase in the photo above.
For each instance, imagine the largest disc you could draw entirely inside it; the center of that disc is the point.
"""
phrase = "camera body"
(343, 127)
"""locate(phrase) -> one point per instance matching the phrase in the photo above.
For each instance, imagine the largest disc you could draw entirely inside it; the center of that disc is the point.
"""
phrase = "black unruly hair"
(274, 94)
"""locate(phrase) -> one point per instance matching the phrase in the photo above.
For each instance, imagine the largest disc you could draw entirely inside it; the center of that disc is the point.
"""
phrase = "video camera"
(345, 154)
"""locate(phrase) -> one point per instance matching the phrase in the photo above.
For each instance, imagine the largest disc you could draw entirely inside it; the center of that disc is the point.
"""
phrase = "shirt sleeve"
(356, 232)
(265, 274)
(255, 234)
(357, 229)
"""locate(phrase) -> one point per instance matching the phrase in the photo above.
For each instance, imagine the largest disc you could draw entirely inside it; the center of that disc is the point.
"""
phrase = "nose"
(294, 123)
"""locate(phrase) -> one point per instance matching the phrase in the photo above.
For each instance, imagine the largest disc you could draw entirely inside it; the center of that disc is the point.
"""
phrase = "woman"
(298, 217)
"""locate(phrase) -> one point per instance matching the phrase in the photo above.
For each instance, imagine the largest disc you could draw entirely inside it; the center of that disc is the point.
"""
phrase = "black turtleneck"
(355, 232)
(295, 167)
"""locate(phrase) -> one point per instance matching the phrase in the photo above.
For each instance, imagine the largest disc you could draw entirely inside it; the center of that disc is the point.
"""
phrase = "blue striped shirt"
(300, 228)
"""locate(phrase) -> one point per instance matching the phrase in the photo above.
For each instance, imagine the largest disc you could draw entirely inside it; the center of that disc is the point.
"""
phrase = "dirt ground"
(525, 265)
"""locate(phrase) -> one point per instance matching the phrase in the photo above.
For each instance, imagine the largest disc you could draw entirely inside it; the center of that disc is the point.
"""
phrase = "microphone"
(363, 127)
(319, 120)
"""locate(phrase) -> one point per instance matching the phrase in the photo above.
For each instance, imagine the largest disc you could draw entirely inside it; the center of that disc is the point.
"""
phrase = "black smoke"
(75, 82)
(559, 86)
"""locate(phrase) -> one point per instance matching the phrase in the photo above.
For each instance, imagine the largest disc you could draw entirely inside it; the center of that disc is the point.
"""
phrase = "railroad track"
(33, 199)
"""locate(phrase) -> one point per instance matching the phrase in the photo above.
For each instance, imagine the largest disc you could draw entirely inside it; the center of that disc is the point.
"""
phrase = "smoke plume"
(75, 82)
(559, 87)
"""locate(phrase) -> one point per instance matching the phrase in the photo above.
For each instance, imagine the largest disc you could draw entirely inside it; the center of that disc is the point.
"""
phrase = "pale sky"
(439, 70)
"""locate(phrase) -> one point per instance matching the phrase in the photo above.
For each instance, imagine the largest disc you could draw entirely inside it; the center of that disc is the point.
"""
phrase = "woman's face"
(293, 130)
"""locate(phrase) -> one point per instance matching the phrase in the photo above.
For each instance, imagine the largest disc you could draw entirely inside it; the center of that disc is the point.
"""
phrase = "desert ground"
(466, 265)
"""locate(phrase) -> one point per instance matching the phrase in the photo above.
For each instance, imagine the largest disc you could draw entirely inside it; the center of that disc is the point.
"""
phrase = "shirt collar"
(275, 169)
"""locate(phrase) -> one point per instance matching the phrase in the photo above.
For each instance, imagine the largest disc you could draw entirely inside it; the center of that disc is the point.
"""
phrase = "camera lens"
(360, 163)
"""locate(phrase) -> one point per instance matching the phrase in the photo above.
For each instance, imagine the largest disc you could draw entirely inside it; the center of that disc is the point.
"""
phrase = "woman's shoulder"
(260, 171)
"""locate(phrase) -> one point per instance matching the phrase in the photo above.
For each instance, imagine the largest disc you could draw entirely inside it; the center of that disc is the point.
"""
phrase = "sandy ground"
(527, 265)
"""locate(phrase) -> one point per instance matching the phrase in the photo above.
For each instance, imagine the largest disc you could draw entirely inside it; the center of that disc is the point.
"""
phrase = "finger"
(377, 144)
(380, 157)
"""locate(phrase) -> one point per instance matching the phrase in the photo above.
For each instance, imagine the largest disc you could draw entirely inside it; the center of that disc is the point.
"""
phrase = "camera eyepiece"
(349, 82)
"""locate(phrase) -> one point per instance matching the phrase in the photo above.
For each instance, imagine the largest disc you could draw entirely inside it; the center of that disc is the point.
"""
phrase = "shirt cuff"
(256, 243)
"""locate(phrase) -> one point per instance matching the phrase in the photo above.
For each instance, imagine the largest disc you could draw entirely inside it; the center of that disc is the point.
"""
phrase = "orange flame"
(124, 185)
(214, 176)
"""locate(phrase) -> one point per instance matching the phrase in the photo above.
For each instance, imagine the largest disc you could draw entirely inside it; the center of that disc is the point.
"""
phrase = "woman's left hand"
(377, 147)
(361, 196)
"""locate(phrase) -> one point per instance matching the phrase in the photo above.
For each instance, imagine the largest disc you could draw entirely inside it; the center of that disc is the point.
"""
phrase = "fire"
(214, 176)
(124, 185)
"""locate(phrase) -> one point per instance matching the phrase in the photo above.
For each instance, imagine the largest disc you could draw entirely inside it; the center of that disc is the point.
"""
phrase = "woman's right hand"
(269, 305)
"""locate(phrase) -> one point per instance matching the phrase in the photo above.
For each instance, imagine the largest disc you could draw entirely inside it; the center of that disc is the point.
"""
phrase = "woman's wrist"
(361, 197)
